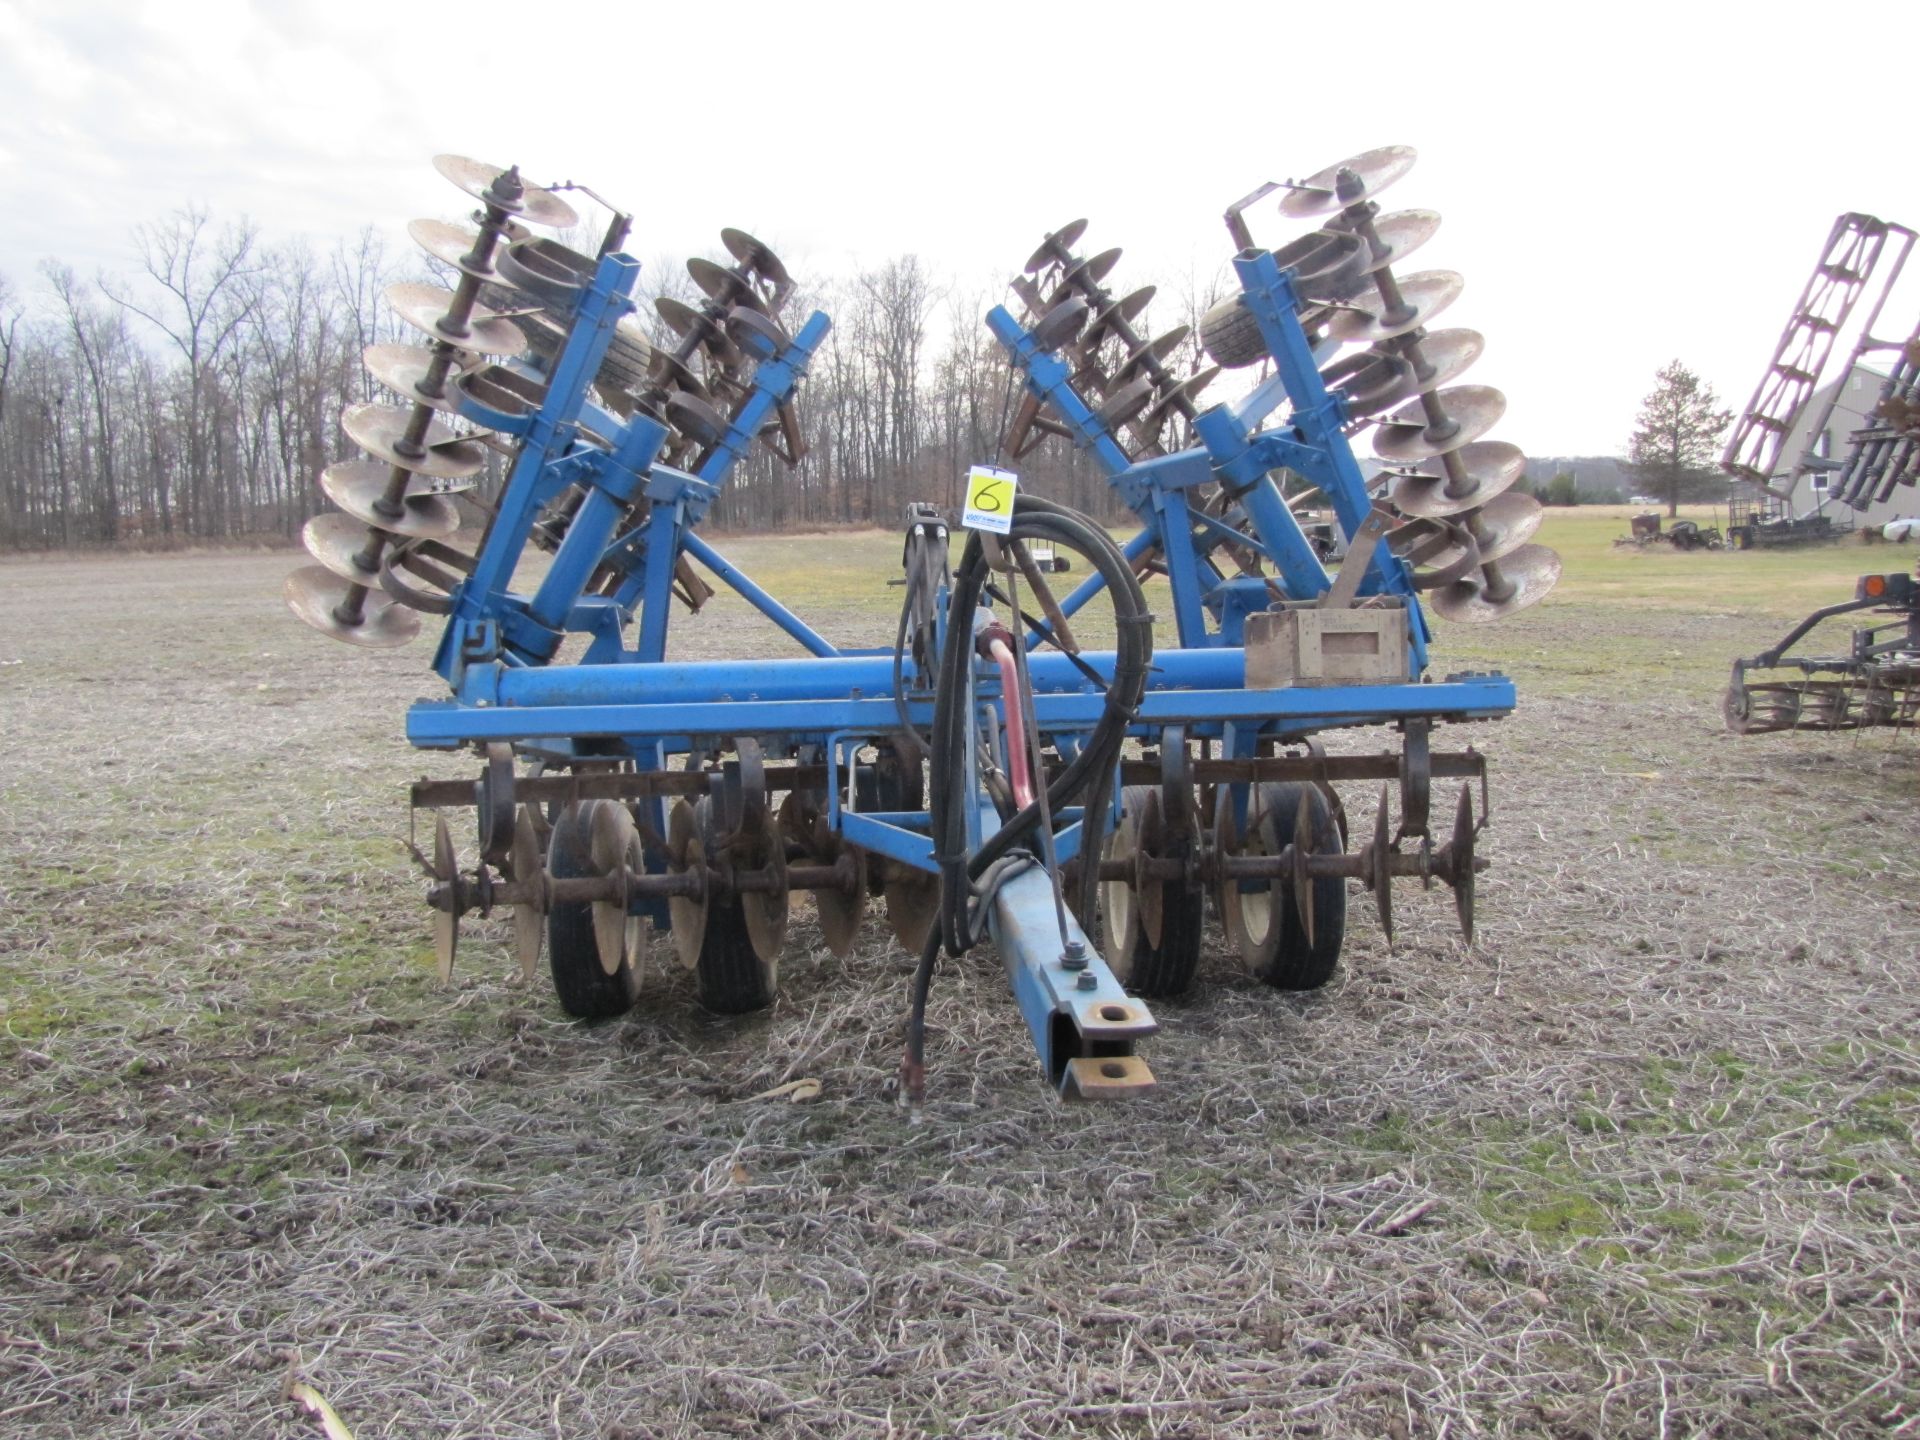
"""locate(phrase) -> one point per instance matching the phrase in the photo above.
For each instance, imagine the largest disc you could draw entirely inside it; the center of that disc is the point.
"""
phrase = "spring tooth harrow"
(995, 774)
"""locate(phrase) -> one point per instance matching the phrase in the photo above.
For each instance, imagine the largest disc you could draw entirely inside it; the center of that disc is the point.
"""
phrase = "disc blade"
(765, 911)
(1439, 357)
(755, 255)
(1487, 468)
(1369, 173)
(913, 903)
(403, 369)
(1424, 295)
(717, 282)
(314, 593)
(359, 487)
(840, 912)
(515, 197)
(382, 429)
(1505, 523)
(1153, 353)
(452, 245)
(1409, 435)
(338, 542)
(446, 922)
(1114, 314)
(1460, 851)
(425, 308)
(1400, 234)
(1056, 247)
(1533, 570)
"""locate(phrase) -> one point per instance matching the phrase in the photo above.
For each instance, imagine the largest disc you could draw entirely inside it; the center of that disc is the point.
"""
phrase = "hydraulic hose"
(1033, 519)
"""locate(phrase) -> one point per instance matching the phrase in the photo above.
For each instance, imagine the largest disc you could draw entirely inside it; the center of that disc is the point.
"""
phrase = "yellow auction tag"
(990, 495)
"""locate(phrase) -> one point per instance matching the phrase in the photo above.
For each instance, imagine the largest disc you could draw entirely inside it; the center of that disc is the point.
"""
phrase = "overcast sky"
(1621, 184)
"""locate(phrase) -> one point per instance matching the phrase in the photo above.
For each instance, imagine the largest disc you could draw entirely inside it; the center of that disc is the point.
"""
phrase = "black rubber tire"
(1165, 969)
(1296, 964)
(732, 980)
(1231, 336)
(586, 991)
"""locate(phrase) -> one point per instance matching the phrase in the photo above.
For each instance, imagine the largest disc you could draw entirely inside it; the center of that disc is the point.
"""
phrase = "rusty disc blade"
(1381, 878)
(765, 911)
(717, 282)
(1400, 234)
(1056, 247)
(1424, 294)
(913, 903)
(1504, 524)
(755, 255)
(1532, 571)
(1114, 314)
(1460, 853)
(425, 308)
(517, 198)
(403, 369)
(359, 487)
(381, 429)
(529, 916)
(1154, 353)
(337, 541)
(1439, 357)
(1371, 172)
(841, 911)
(453, 245)
(687, 913)
(314, 593)
(1409, 435)
(446, 922)
(1487, 468)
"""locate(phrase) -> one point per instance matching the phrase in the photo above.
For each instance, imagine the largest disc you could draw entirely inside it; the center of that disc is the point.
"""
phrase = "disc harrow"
(993, 777)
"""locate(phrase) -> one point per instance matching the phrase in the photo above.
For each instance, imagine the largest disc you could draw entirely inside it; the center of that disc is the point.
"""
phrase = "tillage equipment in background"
(994, 774)
(1876, 681)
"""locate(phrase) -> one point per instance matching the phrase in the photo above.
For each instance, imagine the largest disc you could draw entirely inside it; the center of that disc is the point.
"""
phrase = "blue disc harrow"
(1050, 766)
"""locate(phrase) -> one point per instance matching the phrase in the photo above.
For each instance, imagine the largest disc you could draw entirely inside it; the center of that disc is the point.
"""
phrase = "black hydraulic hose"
(1033, 518)
(967, 885)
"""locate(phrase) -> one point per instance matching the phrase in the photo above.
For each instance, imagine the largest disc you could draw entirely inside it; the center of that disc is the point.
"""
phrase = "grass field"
(1640, 1162)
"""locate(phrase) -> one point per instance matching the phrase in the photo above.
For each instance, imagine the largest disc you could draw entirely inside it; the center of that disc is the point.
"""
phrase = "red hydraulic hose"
(1012, 704)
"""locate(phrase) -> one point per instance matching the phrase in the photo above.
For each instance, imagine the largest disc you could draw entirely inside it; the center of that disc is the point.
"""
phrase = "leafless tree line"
(199, 399)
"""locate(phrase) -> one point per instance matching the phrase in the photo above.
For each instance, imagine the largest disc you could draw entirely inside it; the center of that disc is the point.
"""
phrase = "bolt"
(1074, 957)
(1088, 980)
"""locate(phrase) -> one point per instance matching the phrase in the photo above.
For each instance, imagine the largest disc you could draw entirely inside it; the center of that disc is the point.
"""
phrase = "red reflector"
(1876, 586)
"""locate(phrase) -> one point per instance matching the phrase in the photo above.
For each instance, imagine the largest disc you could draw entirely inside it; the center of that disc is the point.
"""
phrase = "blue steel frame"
(630, 701)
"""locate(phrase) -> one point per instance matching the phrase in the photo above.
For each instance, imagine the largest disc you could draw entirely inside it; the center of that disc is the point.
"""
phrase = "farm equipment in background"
(1645, 529)
(1020, 761)
(1877, 682)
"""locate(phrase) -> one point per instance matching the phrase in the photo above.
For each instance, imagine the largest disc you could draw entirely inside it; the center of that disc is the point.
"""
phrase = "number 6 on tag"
(990, 495)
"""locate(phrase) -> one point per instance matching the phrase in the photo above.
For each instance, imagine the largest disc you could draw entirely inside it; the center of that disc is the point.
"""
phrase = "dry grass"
(1640, 1163)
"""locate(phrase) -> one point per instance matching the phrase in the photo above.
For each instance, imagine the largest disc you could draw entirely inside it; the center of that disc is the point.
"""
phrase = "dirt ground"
(1640, 1162)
